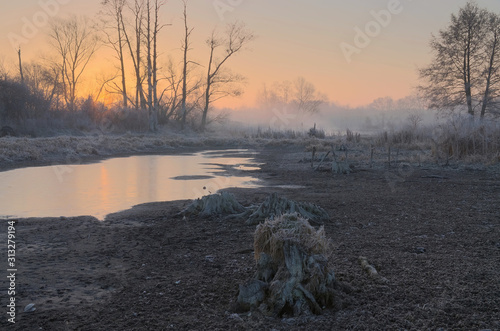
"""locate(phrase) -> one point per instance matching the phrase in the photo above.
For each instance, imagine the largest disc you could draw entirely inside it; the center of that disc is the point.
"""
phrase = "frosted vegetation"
(455, 140)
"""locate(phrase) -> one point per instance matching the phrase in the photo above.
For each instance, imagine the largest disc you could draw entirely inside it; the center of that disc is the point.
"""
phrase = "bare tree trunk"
(155, 58)
(139, 94)
(157, 29)
(54, 86)
(20, 66)
(149, 68)
(122, 64)
(136, 54)
(152, 55)
(467, 79)
(207, 92)
(490, 73)
(210, 75)
(114, 9)
(184, 69)
(64, 83)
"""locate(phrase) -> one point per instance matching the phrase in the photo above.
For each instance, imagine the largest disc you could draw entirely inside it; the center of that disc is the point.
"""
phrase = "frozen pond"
(116, 184)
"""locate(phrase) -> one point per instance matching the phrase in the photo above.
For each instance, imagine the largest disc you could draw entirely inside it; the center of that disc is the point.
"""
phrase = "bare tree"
(306, 98)
(185, 49)
(464, 70)
(171, 92)
(414, 119)
(492, 69)
(383, 103)
(300, 95)
(114, 10)
(149, 69)
(156, 31)
(134, 47)
(170, 99)
(153, 27)
(219, 82)
(4, 73)
(45, 78)
(20, 65)
(76, 42)
(276, 96)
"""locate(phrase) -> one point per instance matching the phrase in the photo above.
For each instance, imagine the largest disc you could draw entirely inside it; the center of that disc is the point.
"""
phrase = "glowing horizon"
(354, 52)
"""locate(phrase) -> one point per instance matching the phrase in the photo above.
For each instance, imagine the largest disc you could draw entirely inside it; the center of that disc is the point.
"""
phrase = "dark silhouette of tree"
(464, 70)
(219, 82)
(116, 39)
(185, 62)
(75, 42)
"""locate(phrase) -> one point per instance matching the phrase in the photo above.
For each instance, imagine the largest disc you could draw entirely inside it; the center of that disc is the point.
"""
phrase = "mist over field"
(332, 118)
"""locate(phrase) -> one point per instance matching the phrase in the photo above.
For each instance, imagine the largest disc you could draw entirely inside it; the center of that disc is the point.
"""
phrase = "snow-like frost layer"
(71, 149)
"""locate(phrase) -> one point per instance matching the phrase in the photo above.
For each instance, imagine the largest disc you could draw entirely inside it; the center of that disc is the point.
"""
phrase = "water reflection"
(116, 184)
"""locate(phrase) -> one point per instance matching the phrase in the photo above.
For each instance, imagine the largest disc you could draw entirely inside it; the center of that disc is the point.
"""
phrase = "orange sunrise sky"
(352, 51)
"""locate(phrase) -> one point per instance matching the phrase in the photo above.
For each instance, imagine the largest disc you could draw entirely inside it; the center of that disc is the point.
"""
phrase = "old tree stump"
(293, 274)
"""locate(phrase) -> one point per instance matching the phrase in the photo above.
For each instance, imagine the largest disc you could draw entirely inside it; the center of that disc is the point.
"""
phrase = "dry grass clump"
(352, 136)
(223, 203)
(406, 136)
(271, 235)
(464, 138)
(275, 205)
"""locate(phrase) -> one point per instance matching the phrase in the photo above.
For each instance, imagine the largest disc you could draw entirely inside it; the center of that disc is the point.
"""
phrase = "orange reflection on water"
(105, 189)
(117, 184)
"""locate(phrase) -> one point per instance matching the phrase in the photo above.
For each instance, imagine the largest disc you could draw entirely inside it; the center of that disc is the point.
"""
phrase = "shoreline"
(20, 152)
(68, 159)
(227, 151)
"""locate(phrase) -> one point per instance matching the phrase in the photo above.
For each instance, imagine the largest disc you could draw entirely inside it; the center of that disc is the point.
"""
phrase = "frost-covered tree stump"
(293, 273)
(223, 203)
(275, 205)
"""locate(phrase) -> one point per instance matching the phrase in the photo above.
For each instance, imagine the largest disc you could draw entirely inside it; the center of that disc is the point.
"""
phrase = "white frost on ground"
(73, 149)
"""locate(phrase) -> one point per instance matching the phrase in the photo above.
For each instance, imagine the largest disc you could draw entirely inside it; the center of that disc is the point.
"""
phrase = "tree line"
(131, 29)
(463, 75)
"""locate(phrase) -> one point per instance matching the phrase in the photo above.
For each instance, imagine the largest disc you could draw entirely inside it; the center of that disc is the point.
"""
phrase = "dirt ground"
(433, 232)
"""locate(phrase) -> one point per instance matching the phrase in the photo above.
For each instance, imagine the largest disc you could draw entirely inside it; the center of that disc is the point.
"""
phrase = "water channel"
(116, 184)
